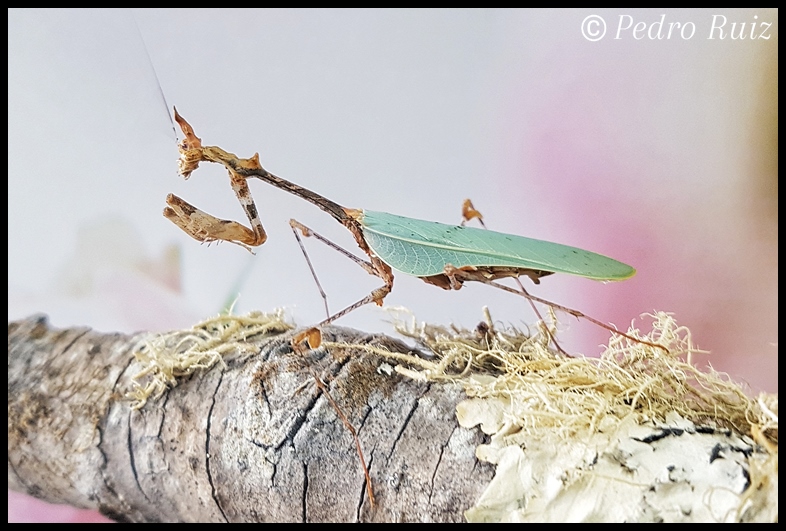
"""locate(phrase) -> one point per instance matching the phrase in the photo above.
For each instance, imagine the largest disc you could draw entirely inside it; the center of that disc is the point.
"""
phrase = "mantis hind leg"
(452, 272)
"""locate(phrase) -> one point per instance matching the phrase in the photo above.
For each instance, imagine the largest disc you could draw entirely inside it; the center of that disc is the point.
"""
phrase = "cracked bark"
(251, 441)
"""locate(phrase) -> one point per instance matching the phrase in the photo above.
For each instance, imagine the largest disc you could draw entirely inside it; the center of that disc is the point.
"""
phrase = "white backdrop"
(659, 152)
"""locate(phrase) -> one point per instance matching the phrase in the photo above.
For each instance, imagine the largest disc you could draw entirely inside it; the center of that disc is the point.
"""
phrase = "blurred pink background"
(659, 152)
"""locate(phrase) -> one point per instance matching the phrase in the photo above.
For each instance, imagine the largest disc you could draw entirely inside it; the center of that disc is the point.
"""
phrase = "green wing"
(423, 248)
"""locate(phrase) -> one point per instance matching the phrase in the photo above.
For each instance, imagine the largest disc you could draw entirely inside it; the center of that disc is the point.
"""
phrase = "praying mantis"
(443, 255)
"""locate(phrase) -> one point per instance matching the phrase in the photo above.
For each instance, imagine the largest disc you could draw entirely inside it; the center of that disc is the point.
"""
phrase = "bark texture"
(253, 440)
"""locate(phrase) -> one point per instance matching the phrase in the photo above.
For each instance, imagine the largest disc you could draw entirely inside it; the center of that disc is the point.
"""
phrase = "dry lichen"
(167, 357)
(561, 408)
(574, 395)
(568, 413)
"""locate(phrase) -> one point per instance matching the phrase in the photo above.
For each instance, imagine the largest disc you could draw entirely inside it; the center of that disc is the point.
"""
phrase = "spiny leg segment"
(202, 226)
(207, 228)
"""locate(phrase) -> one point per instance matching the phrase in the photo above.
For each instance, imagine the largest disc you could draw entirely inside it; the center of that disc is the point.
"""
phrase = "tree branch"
(225, 422)
(250, 440)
